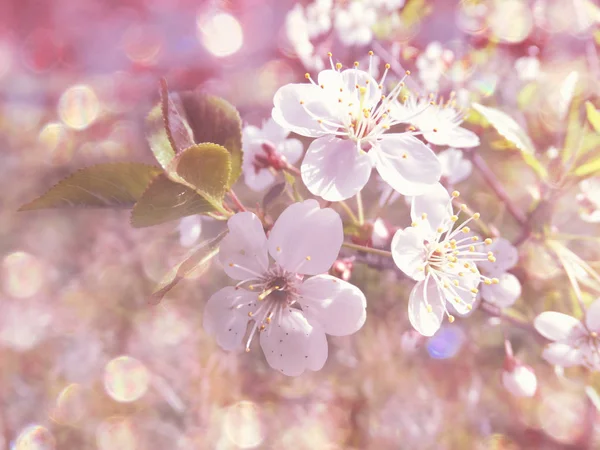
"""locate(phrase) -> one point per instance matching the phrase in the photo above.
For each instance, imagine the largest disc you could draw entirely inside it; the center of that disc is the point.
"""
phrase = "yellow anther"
(474, 290)
(495, 280)
(356, 64)
(594, 334)
(308, 258)
(424, 216)
(451, 265)
(440, 230)
(488, 241)
(429, 308)
(231, 264)
(464, 207)
(491, 259)
(450, 318)
(329, 54)
(302, 102)
(471, 248)
(487, 281)
(453, 218)
(467, 265)
(407, 72)
(473, 270)
(387, 66)
(338, 66)
(475, 238)
(278, 249)
(247, 350)
(476, 216)
(466, 230)
(371, 53)
(435, 130)
(455, 194)
(490, 253)
(268, 320)
(446, 286)
(250, 314)
(322, 86)
(262, 327)
(469, 307)
(455, 282)
(340, 100)
(414, 224)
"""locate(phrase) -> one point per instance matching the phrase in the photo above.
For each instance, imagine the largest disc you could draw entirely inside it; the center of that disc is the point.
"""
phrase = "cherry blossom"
(291, 313)
(574, 342)
(298, 31)
(517, 378)
(455, 167)
(436, 252)
(432, 63)
(589, 200)
(267, 150)
(353, 24)
(508, 289)
(349, 116)
(440, 122)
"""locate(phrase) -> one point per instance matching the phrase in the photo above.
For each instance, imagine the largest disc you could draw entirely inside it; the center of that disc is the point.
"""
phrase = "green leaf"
(588, 168)
(117, 185)
(207, 169)
(167, 131)
(166, 200)
(197, 259)
(214, 120)
(593, 116)
(513, 132)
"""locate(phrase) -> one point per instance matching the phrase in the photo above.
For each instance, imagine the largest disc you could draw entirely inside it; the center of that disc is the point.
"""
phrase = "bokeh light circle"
(446, 343)
(70, 405)
(116, 433)
(22, 274)
(126, 379)
(78, 107)
(511, 21)
(35, 437)
(221, 34)
(242, 425)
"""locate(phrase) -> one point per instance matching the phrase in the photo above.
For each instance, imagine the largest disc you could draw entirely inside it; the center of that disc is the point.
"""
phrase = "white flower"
(439, 122)
(292, 313)
(455, 168)
(520, 381)
(353, 25)
(589, 200)
(575, 343)
(508, 289)
(432, 63)
(189, 230)
(297, 31)
(349, 116)
(318, 16)
(441, 258)
(267, 150)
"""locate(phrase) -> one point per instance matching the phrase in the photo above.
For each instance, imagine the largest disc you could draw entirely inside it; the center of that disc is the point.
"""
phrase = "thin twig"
(374, 251)
(236, 200)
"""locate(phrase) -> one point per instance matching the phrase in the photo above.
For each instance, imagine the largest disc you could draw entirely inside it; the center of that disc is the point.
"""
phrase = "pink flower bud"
(521, 381)
(342, 268)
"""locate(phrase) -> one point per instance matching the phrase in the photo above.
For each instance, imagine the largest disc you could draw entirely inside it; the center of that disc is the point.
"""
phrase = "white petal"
(554, 325)
(425, 322)
(372, 93)
(258, 180)
(521, 382)
(462, 300)
(453, 136)
(292, 115)
(225, 320)
(339, 307)
(455, 168)
(435, 204)
(409, 253)
(306, 239)
(562, 355)
(243, 251)
(592, 316)
(291, 150)
(503, 294)
(273, 132)
(506, 256)
(406, 164)
(250, 133)
(335, 169)
(291, 345)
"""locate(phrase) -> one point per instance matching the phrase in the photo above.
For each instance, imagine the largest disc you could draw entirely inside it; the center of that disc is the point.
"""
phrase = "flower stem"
(293, 170)
(236, 200)
(494, 183)
(360, 248)
(349, 211)
(361, 212)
